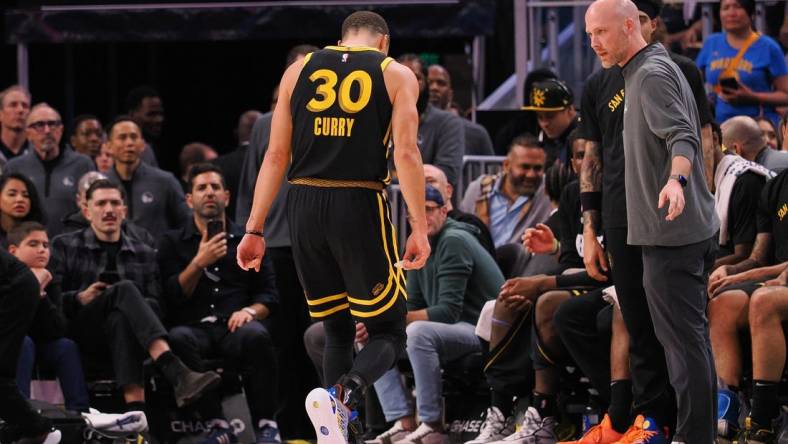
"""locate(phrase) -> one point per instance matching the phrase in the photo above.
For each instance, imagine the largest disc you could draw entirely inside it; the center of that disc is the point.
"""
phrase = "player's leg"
(768, 309)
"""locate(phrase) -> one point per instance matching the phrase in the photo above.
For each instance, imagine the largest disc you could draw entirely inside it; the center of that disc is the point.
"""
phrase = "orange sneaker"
(644, 431)
(602, 433)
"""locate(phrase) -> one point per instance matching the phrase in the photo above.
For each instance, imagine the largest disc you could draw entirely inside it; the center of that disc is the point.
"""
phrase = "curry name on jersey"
(341, 116)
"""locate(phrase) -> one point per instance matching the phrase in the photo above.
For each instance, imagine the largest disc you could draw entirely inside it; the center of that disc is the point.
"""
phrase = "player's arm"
(591, 198)
(277, 158)
(404, 91)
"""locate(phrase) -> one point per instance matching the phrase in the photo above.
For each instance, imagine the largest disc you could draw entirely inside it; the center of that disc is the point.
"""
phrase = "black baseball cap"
(549, 95)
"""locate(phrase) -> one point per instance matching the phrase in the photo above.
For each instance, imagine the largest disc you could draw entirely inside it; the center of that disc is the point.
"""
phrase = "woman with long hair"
(18, 203)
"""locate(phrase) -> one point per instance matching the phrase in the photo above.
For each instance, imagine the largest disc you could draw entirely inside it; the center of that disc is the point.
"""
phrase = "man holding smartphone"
(218, 308)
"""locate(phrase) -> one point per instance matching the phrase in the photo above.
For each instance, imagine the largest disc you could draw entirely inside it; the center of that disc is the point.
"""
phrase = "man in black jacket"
(218, 308)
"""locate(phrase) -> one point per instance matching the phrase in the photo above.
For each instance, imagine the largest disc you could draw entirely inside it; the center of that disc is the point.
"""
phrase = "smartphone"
(215, 226)
(109, 277)
(729, 83)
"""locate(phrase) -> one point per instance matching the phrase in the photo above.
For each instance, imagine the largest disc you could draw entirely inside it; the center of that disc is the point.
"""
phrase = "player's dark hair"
(299, 50)
(21, 231)
(527, 140)
(135, 97)
(104, 184)
(366, 20)
(82, 118)
(555, 179)
(202, 168)
(120, 119)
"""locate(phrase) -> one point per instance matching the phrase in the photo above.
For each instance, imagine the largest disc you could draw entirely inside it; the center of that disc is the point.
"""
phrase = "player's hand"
(250, 252)
(673, 193)
(718, 285)
(779, 281)
(539, 240)
(44, 277)
(739, 96)
(211, 250)
(87, 295)
(417, 250)
(523, 287)
(238, 319)
(717, 275)
(594, 257)
(362, 336)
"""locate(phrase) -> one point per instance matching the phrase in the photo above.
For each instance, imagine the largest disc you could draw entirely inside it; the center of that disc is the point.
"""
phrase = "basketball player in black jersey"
(336, 116)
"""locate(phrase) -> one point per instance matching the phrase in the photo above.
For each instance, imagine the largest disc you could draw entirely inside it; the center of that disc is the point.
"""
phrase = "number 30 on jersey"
(327, 94)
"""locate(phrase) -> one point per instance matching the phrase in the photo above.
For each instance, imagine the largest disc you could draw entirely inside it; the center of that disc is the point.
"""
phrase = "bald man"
(743, 135)
(54, 171)
(670, 212)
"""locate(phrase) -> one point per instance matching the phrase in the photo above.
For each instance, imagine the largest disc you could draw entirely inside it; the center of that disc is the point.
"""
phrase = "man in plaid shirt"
(107, 279)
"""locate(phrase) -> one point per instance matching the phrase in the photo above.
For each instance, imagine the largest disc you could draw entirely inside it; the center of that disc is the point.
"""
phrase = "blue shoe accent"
(727, 406)
(220, 435)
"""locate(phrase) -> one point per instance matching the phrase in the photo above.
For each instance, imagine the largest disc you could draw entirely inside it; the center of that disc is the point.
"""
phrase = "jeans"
(61, 356)
(429, 345)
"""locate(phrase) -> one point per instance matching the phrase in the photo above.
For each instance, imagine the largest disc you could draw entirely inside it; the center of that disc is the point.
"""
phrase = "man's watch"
(251, 311)
(680, 179)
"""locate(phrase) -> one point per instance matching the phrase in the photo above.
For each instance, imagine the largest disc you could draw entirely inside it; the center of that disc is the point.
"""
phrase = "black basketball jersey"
(341, 116)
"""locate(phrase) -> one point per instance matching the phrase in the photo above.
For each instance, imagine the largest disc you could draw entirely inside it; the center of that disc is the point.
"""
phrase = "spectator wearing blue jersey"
(747, 70)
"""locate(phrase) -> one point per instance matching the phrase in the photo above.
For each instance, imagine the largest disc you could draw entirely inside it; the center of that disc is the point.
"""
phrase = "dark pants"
(651, 391)
(675, 279)
(122, 320)
(583, 324)
(249, 346)
(288, 327)
(19, 296)
(61, 356)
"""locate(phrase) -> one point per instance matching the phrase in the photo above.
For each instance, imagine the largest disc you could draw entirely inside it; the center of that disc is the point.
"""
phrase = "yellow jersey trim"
(333, 297)
(351, 48)
(306, 58)
(385, 63)
(330, 311)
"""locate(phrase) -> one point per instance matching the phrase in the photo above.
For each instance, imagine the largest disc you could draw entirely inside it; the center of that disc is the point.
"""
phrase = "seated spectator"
(444, 300)
(441, 134)
(477, 140)
(784, 132)
(104, 160)
(155, 198)
(19, 298)
(514, 199)
(192, 154)
(770, 135)
(746, 69)
(733, 308)
(76, 220)
(107, 279)
(515, 352)
(14, 109)
(46, 343)
(218, 309)
(53, 170)
(743, 135)
(437, 178)
(738, 183)
(19, 202)
(145, 107)
(87, 135)
(557, 117)
(524, 122)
